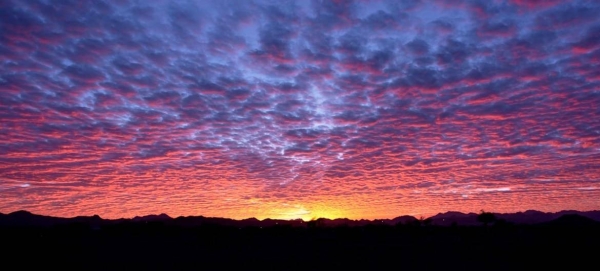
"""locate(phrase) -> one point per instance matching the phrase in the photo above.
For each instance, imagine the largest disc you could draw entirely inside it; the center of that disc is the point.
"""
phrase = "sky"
(298, 109)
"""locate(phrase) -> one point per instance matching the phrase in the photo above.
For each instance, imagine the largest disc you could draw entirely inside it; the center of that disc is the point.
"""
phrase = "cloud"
(373, 109)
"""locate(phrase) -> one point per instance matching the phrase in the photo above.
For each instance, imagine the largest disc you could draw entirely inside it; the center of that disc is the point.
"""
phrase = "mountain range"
(27, 219)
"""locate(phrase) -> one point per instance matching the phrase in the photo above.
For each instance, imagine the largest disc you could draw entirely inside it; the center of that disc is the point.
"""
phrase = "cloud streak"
(322, 108)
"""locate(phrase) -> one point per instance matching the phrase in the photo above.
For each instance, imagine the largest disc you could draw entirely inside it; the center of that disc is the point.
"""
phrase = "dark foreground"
(155, 246)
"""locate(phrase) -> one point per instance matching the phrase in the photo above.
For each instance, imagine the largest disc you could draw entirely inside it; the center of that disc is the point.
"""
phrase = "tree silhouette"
(486, 218)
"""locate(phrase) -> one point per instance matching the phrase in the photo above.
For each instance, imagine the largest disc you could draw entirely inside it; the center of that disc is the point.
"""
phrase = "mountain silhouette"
(161, 217)
(458, 218)
(405, 219)
(28, 219)
(160, 242)
(572, 220)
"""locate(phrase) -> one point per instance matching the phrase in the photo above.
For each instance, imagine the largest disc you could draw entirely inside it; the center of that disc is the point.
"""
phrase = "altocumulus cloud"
(298, 108)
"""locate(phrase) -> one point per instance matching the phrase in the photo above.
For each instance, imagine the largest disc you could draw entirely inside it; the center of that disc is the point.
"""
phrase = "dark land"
(449, 241)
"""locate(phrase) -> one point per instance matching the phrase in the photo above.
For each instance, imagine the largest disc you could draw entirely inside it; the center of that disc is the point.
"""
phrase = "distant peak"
(161, 216)
(452, 213)
(533, 212)
(20, 213)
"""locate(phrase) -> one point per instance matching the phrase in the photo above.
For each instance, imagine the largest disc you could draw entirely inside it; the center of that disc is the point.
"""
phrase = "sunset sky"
(298, 109)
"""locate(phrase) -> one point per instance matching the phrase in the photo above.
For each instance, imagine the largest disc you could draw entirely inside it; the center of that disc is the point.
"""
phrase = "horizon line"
(295, 219)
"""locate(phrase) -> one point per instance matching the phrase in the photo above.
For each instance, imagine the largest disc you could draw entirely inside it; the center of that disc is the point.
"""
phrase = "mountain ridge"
(450, 218)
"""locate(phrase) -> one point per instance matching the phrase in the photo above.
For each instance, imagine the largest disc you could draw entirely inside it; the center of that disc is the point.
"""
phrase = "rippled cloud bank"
(288, 109)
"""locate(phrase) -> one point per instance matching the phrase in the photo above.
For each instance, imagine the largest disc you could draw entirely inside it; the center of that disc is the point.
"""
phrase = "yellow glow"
(295, 213)
(310, 213)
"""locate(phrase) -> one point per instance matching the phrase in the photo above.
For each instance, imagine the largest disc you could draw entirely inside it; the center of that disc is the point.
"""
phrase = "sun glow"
(311, 213)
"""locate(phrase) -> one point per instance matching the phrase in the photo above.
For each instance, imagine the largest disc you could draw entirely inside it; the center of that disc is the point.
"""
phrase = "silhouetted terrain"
(198, 243)
(24, 218)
